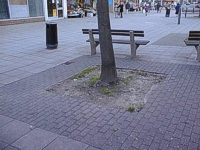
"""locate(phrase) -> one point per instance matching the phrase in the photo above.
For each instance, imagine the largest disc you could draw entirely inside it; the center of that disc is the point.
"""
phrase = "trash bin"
(51, 35)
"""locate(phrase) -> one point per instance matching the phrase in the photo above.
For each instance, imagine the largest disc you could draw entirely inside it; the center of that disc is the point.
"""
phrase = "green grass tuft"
(106, 91)
(131, 109)
(84, 72)
(125, 81)
(93, 80)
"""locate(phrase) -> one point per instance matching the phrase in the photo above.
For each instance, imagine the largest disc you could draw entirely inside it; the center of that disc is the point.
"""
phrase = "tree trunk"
(108, 67)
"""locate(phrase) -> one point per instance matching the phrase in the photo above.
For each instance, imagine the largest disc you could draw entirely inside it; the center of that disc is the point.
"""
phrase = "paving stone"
(11, 148)
(4, 120)
(3, 145)
(64, 143)
(13, 131)
(154, 146)
(92, 148)
(36, 139)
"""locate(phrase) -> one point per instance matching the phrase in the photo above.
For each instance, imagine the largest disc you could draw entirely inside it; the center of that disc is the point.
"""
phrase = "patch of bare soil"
(130, 92)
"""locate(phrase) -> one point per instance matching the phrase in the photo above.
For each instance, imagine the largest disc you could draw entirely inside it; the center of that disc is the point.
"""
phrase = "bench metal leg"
(137, 46)
(132, 44)
(92, 43)
(198, 52)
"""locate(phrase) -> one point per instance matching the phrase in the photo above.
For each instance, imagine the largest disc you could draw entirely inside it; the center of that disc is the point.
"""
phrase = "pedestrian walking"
(127, 7)
(142, 4)
(177, 9)
(149, 6)
(158, 7)
(121, 6)
(155, 5)
(146, 7)
(167, 7)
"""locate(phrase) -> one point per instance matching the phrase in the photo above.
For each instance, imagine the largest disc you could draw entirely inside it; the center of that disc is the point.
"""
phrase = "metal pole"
(179, 15)
(180, 11)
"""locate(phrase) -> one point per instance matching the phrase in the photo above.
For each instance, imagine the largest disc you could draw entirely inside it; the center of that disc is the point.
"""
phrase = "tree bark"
(108, 66)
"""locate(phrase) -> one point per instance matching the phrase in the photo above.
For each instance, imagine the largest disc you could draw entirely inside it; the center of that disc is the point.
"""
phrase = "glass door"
(60, 8)
(55, 8)
(52, 8)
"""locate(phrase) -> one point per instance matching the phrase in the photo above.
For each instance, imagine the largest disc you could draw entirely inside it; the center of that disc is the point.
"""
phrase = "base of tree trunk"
(105, 84)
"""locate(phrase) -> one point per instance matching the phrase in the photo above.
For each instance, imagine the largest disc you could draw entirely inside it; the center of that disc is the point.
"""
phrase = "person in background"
(121, 6)
(167, 7)
(158, 7)
(146, 7)
(177, 9)
(127, 7)
(134, 6)
(149, 6)
(143, 6)
(155, 5)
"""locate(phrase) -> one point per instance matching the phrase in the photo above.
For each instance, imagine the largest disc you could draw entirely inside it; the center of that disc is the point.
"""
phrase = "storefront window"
(35, 8)
(60, 13)
(4, 13)
(52, 11)
(59, 2)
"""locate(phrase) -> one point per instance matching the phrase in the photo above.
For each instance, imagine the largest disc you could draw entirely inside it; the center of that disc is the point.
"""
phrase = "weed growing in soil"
(131, 109)
(84, 72)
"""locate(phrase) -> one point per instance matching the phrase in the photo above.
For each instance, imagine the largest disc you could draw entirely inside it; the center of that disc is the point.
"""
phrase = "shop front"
(55, 9)
(13, 9)
(80, 8)
(21, 11)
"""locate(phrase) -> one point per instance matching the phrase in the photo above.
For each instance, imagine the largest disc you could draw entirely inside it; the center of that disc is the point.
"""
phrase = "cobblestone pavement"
(32, 118)
(169, 120)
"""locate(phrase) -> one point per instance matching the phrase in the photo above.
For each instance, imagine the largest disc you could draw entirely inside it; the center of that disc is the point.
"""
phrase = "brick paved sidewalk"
(169, 120)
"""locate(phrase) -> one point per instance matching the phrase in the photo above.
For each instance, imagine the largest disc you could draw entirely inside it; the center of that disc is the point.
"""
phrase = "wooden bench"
(194, 40)
(134, 44)
(193, 10)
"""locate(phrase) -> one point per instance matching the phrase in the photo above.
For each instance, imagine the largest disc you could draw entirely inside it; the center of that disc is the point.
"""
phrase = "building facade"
(24, 11)
(21, 11)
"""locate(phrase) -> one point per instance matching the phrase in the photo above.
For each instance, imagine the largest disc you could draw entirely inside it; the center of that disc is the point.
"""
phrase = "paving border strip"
(169, 120)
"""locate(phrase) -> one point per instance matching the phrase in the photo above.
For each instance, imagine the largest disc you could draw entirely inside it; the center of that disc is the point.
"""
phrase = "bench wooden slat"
(194, 35)
(190, 32)
(117, 33)
(137, 42)
(194, 38)
(115, 30)
(191, 43)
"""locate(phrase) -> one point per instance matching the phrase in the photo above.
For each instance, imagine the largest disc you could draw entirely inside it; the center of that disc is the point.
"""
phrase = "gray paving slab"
(13, 131)
(4, 120)
(64, 143)
(10, 148)
(92, 148)
(36, 139)
(3, 145)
